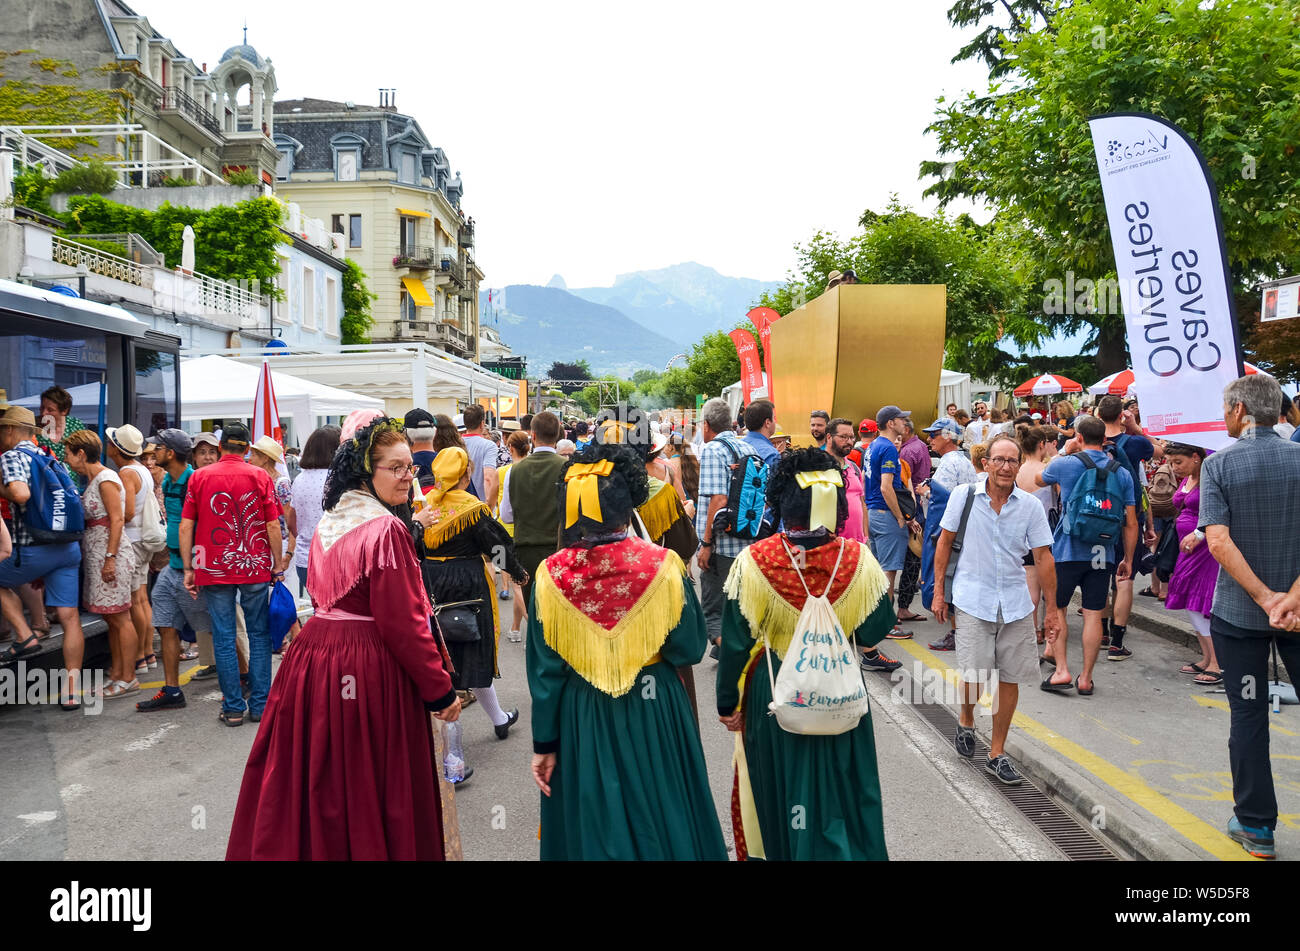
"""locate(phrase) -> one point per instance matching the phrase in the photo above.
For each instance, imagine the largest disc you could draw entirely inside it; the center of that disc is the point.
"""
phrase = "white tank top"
(132, 528)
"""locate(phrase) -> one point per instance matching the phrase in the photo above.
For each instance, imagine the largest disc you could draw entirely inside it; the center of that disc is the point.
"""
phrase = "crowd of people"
(410, 536)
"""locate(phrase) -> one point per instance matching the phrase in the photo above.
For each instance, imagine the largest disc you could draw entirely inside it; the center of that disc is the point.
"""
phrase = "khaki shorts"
(1007, 649)
(142, 558)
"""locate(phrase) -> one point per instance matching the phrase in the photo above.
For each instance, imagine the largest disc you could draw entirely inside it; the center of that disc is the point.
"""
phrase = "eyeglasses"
(399, 472)
(999, 461)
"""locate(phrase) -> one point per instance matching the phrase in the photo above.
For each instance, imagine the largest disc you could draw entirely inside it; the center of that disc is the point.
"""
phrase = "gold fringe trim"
(768, 612)
(660, 511)
(496, 617)
(439, 533)
(610, 660)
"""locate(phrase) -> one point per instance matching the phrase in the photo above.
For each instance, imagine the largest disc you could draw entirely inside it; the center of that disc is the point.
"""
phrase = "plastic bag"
(283, 610)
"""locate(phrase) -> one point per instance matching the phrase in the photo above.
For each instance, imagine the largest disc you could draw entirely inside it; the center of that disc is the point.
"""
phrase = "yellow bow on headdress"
(825, 507)
(614, 431)
(584, 493)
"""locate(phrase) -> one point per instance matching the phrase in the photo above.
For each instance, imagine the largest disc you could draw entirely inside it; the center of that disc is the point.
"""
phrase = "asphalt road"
(126, 785)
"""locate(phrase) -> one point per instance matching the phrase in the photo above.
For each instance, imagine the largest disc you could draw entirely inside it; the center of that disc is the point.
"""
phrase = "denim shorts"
(887, 540)
(173, 606)
(59, 566)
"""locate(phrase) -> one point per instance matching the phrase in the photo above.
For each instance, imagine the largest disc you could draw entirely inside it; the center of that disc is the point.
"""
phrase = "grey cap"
(177, 440)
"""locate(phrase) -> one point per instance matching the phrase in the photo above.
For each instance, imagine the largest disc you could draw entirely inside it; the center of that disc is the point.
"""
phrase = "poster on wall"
(1280, 300)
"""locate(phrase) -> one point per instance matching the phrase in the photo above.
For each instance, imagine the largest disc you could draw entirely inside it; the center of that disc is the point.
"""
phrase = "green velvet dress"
(630, 780)
(816, 797)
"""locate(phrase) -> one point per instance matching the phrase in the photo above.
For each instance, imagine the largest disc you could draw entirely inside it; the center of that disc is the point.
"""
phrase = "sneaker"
(514, 637)
(162, 700)
(1003, 770)
(878, 661)
(949, 643)
(205, 673)
(189, 654)
(1118, 653)
(1256, 840)
(898, 634)
(713, 652)
(966, 740)
(1105, 640)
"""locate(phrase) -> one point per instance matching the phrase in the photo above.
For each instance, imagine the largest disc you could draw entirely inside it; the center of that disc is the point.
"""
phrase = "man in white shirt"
(483, 454)
(995, 636)
(978, 429)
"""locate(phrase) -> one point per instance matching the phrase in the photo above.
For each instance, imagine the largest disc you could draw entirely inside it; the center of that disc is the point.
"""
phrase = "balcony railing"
(403, 330)
(227, 298)
(416, 257)
(97, 262)
(175, 99)
(452, 267)
(137, 248)
(453, 337)
(467, 235)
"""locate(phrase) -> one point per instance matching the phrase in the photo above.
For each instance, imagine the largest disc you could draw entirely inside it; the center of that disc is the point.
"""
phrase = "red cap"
(868, 426)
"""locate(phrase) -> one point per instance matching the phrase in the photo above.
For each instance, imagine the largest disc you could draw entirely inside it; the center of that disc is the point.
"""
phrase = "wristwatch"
(1200, 535)
(110, 554)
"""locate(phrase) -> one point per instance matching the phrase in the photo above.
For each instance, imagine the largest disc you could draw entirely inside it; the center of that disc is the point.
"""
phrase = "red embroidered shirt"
(231, 503)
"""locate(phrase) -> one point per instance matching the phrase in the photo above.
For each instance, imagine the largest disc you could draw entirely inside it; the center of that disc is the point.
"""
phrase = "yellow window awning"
(412, 213)
(419, 293)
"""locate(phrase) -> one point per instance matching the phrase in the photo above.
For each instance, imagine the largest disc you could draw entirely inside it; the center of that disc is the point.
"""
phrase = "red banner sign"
(763, 318)
(751, 372)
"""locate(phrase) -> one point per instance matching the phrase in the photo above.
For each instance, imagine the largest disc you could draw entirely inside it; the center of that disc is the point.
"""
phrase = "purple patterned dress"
(1192, 584)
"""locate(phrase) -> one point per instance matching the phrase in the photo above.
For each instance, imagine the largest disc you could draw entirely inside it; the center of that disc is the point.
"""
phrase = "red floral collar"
(771, 559)
(605, 582)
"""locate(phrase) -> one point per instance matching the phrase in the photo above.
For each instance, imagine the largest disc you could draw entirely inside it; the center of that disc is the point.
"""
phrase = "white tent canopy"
(954, 387)
(215, 387)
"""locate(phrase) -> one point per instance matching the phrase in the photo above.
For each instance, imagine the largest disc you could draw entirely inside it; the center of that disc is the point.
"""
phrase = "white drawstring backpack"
(820, 689)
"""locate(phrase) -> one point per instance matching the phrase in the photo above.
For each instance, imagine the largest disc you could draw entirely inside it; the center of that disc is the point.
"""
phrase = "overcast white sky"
(600, 138)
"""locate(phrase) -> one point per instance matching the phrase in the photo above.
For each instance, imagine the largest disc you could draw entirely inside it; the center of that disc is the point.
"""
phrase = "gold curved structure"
(856, 348)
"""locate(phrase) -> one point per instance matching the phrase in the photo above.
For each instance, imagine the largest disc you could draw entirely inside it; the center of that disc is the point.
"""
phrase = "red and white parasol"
(1046, 385)
(1121, 383)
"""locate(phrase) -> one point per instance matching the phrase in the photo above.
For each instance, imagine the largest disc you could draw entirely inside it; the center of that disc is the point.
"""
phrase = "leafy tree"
(356, 321)
(93, 177)
(1227, 73)
(989, 306)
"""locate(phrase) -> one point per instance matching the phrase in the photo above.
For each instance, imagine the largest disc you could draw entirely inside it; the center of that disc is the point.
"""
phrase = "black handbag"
(1167, 552)
(458, 621)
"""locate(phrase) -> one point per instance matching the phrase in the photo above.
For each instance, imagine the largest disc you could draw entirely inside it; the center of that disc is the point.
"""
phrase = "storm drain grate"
(1064, 831)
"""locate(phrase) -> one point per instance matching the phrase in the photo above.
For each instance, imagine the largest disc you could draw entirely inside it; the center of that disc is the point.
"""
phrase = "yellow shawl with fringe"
(454, 510)
(661, 510)
(607, 611)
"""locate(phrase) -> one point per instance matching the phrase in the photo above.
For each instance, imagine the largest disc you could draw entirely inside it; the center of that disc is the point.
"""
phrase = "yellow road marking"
(1134, 740)
(1189, 826)
(1223, 705)
(185, 677)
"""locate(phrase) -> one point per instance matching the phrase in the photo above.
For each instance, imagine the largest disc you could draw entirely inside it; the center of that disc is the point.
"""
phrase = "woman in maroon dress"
(343, 767)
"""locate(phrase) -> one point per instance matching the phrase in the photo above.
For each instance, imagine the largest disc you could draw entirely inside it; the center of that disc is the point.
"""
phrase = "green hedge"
(231, 242)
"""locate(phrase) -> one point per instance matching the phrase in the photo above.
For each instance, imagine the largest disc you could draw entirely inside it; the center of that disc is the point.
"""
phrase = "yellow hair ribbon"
(584, 494)
(825, 505)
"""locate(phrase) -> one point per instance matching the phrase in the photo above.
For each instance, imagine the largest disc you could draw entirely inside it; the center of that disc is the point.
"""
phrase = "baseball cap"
(946, 425)
(236, 435)
(418, 419)
(459, 422)
(891, 412)
(206, 439)
(868, 426)
(177, 440)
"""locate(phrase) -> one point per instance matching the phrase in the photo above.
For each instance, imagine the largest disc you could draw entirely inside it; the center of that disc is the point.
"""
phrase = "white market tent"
(215, 387)
(954, 387)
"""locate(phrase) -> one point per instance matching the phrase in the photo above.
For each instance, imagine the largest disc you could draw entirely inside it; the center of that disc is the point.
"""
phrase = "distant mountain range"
(547, 324)
(682, 302)
(640, 323)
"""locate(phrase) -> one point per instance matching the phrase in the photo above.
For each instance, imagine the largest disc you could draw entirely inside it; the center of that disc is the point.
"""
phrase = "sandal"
(230, 718)
(190, 654)
(118, 688)
(17, 650)
(1215, 678)
(1082, 692)
(1040, 635)
(72, 703)
(1148, 593)
(1191, 669)
(1055, 688)
(909, 616)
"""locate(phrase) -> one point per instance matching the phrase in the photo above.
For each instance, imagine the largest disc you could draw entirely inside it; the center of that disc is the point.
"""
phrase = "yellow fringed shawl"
(660, 511)
(452, 521)
(610, 659)
(767, 612)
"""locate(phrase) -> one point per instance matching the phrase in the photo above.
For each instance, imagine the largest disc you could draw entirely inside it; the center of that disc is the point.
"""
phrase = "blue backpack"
(746, 497)
(1094, 512)
(53, 514)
